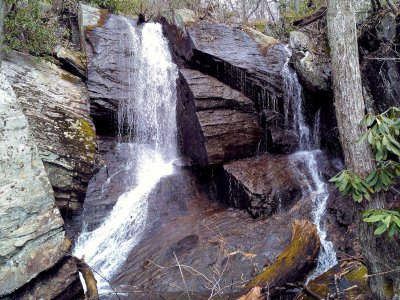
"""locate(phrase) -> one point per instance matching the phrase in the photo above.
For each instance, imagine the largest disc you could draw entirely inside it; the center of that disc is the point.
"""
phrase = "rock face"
(210, 239)
(313, 70)
(262, 185)
(31, 227)
(61, 282)
(228, 54)
(107, 38)
(57, 108)
(381, 77)
(216, 123)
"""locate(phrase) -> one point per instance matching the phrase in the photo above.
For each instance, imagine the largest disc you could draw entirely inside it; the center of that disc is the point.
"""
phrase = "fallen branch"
(319, 14)
(90, 280)
(293, 263)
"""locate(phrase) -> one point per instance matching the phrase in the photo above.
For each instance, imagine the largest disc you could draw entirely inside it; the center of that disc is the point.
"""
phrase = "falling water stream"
(147, 119)
(306, 156)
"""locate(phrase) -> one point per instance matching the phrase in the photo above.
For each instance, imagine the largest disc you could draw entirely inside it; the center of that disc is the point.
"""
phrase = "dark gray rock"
(107, 43)
(60, 282)
(262, 185)
(381, 76)
(216, 124)
(229, 54)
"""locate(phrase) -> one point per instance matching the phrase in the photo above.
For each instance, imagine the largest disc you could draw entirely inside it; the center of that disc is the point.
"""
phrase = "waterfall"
(147, 118)
(293, 102)
(316, 188)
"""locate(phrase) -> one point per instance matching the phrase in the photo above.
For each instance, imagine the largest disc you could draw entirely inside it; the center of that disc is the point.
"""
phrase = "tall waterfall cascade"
(146, 118)
(309, 142)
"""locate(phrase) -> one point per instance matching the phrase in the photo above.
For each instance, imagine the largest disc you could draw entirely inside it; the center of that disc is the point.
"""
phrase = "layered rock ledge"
(56, 106)
(215, 122)
(262, 185)
(32, 238)
(229, 54)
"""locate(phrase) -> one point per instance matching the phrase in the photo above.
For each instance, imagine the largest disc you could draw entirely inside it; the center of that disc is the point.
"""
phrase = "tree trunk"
(381, 253)
(2, 16)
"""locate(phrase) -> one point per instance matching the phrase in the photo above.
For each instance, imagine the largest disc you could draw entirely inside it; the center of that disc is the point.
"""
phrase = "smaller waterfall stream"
(306, 156)
(147, 118)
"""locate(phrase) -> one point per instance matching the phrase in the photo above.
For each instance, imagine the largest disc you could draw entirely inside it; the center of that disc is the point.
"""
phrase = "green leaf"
(381, 229)
(393, 229)
(386, 221)
(373, 219)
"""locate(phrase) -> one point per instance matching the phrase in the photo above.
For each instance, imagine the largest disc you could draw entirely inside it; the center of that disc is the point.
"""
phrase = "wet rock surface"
(112, 179)
(107, 49)
(186, 226)
(184, 220)
(381, 76)
(56, 105)
(31, 227)
(263, 184)
(230, 55)
(216, 123)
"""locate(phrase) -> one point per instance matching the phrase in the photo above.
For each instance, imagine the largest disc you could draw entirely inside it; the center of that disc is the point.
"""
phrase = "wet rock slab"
(223, 244)
(229, 54)
(215, 122)
(263, 184)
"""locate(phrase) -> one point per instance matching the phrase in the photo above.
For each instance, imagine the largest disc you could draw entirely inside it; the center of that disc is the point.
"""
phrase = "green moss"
(358, 275)
(87, 131)
(303, 235)
(388, 289)
(67, 77)
(259, 25)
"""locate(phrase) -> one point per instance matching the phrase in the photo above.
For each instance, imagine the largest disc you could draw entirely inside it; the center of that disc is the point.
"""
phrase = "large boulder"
(262, 185)
(32, 238)
(243, 61)
(57, 108)
(314, 70)
(216, 124)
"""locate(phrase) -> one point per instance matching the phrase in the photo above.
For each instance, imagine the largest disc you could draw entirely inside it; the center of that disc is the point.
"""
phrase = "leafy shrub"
(27, 30)
(383, 135)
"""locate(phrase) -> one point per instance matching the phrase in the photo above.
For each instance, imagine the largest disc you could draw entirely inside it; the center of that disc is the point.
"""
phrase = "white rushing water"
(306, 156)
(147, 117)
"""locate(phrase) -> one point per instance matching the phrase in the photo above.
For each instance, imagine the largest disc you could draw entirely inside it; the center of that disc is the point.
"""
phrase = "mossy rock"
(350, 277)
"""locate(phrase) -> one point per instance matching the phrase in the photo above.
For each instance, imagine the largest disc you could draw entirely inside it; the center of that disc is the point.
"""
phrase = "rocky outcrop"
(314, 70)
(32, 238)
(216, 123)
(60, 282)
(57, 108)
(379, 62)
(228, 54)
(71, 61)
(106, 42)
(262, 185)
